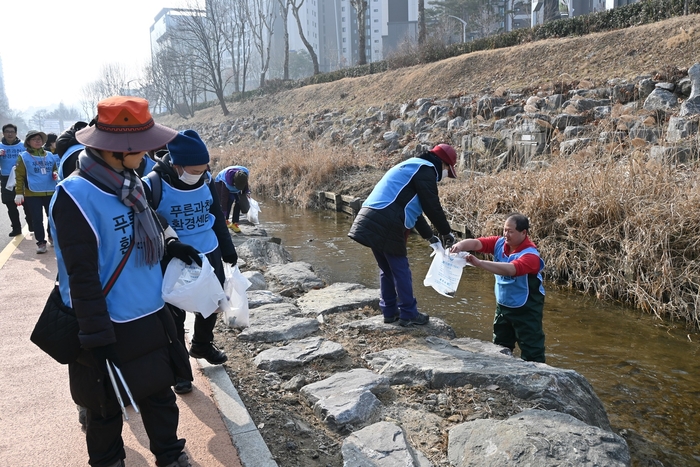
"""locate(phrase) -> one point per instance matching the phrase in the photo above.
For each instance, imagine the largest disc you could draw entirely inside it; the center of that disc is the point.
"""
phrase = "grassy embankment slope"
(608, 220)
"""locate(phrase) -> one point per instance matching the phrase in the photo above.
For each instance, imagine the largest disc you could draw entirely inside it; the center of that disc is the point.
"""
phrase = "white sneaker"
(41, 248)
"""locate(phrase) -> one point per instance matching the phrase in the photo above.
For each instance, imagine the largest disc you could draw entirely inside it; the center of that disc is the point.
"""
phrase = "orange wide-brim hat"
(124, 124)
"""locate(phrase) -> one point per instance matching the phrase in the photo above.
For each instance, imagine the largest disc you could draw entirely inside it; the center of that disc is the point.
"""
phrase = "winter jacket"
(386, 228)
(149, 359)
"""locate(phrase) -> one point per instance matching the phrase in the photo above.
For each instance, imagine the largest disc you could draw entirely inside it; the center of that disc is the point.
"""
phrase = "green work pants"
(523, 326)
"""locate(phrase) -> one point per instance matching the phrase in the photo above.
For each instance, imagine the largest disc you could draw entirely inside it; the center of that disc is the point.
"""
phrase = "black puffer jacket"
(148, 358)
(384, 229)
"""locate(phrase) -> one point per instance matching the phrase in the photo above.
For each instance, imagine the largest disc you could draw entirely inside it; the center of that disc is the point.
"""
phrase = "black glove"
(102, 354)
(184, 252)
(447, 240)
(232, 258)
(433, 240)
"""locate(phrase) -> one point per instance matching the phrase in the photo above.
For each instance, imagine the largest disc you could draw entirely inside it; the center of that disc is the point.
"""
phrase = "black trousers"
(105, 445)
(8, 199)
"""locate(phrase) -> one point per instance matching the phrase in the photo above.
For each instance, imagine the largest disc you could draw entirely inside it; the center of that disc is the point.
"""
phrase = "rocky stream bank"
(329, 384)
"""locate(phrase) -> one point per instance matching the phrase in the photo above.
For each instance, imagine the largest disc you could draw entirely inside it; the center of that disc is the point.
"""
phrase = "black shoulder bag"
(56, 331)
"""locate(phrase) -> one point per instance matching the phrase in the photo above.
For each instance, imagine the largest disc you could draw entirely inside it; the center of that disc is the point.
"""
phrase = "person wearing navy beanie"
(186, 199)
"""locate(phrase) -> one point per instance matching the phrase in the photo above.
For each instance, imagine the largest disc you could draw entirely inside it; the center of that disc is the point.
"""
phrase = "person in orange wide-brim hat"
(109, 244)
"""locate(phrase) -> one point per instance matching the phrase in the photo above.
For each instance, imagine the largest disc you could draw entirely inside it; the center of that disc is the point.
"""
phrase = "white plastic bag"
(445, 271)
(235, 286)
(11, 180)
(192, 288)
(252, 214)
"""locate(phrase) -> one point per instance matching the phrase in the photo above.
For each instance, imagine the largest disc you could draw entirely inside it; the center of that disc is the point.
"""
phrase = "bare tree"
(64, 114)
(261, 20)
(360, 7)
(422, 34)
(238, 43)
(307, 44)
(550, 10)
(284, 14)
(199, 36)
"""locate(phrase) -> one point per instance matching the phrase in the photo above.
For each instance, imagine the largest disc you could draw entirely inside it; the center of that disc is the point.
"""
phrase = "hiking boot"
(182, 461)
(391, 319)
(15, 232)
(182, 386)
(208, 352)
(234, 227)
(420, 319)
(41, 247)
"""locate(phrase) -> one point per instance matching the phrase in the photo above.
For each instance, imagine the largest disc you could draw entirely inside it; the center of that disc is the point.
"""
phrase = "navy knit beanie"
(188, 149)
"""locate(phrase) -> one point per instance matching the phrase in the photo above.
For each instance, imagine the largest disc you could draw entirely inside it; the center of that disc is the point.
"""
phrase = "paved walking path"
(38, 419)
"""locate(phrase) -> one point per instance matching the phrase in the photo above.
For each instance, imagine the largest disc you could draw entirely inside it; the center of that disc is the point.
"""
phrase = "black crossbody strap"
(120, 267)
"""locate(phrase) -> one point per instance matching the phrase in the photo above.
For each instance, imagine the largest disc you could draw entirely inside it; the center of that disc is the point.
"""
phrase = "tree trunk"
(421, 22)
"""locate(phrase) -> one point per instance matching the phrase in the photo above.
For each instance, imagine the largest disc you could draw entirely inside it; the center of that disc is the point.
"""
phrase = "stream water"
(646, 372)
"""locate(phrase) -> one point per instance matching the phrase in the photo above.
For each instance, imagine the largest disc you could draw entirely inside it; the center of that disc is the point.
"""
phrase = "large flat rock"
(444, 364)
(277, 322)
(341, 296)
(298, 353)
(539, 438)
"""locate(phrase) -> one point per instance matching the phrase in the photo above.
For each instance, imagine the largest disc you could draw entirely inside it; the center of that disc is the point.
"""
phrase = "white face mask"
(188, 178)
(444, 174)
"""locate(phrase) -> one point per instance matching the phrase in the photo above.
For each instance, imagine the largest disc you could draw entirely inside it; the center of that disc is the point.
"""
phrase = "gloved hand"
(19, 200)
(103, 353)
(434, 239)
(184, 252)
(447, 240)
(231, 259)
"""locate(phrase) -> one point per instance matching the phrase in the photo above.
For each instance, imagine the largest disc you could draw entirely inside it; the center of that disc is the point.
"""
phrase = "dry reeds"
(609, 223)
(620, 229)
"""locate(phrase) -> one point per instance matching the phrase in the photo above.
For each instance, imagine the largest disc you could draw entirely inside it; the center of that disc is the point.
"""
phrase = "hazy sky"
(51, 48)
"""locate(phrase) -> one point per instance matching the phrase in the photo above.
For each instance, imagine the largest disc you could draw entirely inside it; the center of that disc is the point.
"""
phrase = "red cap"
(448, 155)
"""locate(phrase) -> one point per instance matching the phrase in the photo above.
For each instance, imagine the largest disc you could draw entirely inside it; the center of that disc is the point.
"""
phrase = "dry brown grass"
(621, 229)
(296, 171)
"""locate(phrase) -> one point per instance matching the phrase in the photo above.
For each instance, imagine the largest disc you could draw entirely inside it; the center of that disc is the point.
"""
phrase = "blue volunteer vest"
(221, 177)
(63, 171)
(150, 163)
(136, 293)
(8, 160)
(40, 171)
(391, 184)
(513, 291)
(188, 213)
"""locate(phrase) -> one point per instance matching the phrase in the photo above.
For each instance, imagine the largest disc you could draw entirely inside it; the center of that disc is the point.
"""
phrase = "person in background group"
(517, 267)
(102, 222)
(36, 172)
(50, 145)
(393, 208)
(233, 190)
(185, 181)
(11, 147)
(68, 148)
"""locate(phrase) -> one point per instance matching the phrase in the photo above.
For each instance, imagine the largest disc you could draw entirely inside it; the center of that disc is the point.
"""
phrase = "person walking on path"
(36, 173)
(68, 148)
(393, 208)
(182, 177)
(101, 223)
(517, 267)
(233, 190)
(10, 148)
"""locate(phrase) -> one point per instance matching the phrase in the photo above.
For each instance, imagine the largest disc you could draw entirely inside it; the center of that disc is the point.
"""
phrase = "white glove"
(19, 200)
